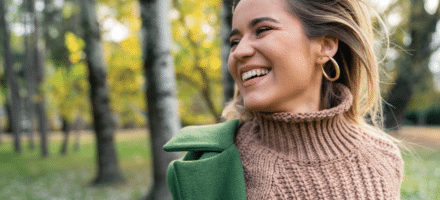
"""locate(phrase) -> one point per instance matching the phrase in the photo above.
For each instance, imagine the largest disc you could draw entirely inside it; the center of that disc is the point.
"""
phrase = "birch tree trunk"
(12, 81)
(228, 81)
(108, 168)
(161, 89)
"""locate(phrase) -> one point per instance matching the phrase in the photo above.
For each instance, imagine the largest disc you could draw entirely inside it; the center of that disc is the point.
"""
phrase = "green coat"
(212, 167)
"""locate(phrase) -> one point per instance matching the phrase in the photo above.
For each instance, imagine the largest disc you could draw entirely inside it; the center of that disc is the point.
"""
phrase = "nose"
(243, 50)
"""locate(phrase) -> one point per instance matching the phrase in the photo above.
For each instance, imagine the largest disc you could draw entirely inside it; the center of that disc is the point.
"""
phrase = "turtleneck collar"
(309, 137)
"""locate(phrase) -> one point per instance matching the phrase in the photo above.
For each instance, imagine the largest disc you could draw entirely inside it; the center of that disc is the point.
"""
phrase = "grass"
(27, 176)
(422, 166)
(422, 175)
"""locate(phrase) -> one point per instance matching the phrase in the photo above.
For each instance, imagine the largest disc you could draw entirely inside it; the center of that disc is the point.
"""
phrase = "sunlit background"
(197, 48)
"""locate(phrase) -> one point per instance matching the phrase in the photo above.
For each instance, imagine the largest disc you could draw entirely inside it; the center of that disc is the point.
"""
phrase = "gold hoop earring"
(338, 71)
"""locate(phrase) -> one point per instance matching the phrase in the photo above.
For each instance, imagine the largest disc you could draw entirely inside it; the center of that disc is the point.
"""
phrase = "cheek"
(231, 67)
(230, 63)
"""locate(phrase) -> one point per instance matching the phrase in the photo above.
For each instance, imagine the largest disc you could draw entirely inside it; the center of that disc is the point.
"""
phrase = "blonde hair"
(350, 22)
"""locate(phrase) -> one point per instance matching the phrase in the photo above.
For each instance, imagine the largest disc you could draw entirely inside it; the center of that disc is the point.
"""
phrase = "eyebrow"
(253, 23)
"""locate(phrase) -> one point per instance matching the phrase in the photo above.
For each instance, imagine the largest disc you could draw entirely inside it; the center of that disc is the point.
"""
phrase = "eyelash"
(257, 32)
(262, 29)
(233, 43)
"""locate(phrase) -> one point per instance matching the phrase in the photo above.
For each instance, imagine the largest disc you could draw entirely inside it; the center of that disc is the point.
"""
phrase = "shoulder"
(380, 141)
(216, 137)
(382, 150)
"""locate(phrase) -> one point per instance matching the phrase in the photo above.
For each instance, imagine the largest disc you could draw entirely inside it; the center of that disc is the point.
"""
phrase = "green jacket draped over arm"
(212, 167)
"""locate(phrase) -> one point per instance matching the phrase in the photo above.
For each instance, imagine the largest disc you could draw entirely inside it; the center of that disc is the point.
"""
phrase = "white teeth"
(256, 72)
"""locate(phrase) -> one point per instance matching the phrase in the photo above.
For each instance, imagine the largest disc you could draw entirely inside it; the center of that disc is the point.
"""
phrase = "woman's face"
(268, 42)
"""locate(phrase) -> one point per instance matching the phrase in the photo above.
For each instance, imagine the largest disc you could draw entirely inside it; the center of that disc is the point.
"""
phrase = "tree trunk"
(42, 122)
(421, 118)
(161, 90)
(78, 128)
(108, 168)
(28, 66)
(76, 145)
(8, 105)
(228, 81)
(12, 81)
(34, 80)
(31, 140)
(66, 131)
(1, 136)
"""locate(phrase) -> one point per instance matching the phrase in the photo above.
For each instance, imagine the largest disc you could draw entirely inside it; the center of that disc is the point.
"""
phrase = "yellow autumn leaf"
(131, 45)
(206, 44)
(73, 43)
(74, 58)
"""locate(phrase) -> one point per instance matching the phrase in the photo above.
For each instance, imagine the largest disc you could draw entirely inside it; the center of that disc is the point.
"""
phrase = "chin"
(258, 106)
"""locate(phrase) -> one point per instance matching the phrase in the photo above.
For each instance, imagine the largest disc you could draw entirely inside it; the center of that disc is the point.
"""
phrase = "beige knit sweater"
(317, 155)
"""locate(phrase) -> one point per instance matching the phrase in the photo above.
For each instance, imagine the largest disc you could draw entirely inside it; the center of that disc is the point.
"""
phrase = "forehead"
(249, 9)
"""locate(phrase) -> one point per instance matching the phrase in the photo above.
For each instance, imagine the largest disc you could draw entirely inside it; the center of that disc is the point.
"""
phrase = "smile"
(253, 74)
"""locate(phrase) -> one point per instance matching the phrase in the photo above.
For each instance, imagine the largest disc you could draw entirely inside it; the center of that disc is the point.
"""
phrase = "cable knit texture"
(318, 155)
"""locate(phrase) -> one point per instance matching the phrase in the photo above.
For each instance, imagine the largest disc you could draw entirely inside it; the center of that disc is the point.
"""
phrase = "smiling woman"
(306, 78)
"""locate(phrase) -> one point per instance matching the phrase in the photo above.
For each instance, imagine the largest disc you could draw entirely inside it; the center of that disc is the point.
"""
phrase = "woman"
(307, 77)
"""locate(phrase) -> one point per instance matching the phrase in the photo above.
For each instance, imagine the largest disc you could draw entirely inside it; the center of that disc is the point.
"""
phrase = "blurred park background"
(90, 91)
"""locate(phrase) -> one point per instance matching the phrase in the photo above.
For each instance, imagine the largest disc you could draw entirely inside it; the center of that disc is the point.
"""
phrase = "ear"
(328, 46)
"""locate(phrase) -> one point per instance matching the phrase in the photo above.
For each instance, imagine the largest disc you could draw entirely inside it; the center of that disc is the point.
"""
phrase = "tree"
(68, 87)
(228, 81)
(161, 89)
(66, 131)
(197, 52)
(39, 97)
(34, 77)
(412, 66)
(28, 117)
(108, 168)
(126, 79)
(12, 80)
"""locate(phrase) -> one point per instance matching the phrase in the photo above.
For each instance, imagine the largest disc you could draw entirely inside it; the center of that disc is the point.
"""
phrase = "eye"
(262, 29)
(233, 43)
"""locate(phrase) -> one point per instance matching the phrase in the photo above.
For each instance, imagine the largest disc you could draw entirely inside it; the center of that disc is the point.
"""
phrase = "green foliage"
(430, 117)
(28, 176)
(69, 91)
(125, 74)
(197, 50)
(425, 95)
(412, 118)
(433, 116)
(68, 87)
(69, 8)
